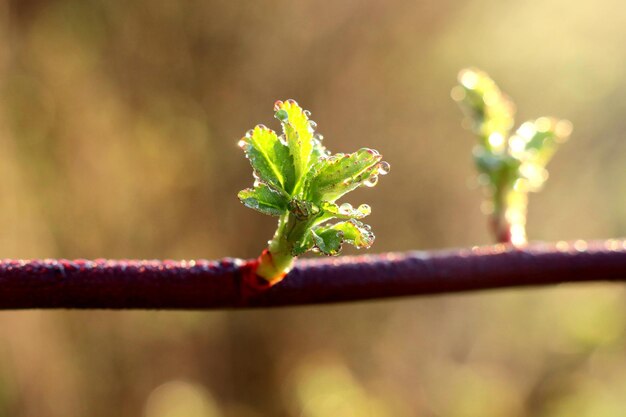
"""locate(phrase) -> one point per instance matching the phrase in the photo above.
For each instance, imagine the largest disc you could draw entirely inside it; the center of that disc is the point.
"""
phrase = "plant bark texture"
(230, 283)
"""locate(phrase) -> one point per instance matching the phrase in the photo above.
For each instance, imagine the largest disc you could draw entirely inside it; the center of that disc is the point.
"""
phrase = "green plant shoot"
(299, 181)
(510, 164)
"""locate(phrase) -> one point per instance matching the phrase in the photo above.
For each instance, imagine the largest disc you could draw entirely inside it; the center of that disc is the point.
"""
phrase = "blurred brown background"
(118, 125)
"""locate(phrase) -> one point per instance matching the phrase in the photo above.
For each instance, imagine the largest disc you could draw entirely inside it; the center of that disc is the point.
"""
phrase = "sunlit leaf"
(538, 140)
(328, 241)
(489, 110)
(262, 198)
(342, 173)
(353, 231)
(298, 131)
(270, 158)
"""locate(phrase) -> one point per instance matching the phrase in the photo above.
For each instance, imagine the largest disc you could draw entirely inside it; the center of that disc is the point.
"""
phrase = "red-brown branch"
(227, 284)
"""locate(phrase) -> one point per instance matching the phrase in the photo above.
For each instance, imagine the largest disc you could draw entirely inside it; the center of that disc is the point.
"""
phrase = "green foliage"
(299, 181)
(264, 199)
(504, 157)
(352, 231)
(270, 158)
(508, 163)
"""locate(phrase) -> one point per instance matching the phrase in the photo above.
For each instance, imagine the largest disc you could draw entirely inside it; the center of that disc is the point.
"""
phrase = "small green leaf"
(490, 111)
(270, 158)
(328, 241)
(341, 173)
(538, 140)
(262, 198)
(343, 212)
(354, 232)
(298, 132)
(303, 244)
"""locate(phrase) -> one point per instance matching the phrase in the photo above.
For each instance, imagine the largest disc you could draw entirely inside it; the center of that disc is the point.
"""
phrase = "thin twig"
(226, 284)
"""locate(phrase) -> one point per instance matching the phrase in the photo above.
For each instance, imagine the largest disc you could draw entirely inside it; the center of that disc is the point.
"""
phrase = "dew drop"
(543, 124)
(469, 79)
(292, 102)
(365, 209)
(318, 136)
(249, 133)
(365, 154)
(242, 143)
(458, 93)
(527, 130)
(312, 125)
(282, 115)
(384, 168)
(562, 246)
(371, 181)
(278, 104)
(612, 244)
(580, 245)
(563, 129)
(345, 208)
(307, 113)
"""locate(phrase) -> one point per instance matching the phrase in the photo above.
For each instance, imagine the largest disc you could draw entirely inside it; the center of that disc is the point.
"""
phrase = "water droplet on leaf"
(345, 208)
(365, 209)
(384, 168)
(371, 181)
(282, 115)
(368, 151)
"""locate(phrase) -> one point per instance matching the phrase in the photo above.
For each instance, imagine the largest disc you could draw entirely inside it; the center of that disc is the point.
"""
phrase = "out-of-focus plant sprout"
(510, 164)
(298, 180)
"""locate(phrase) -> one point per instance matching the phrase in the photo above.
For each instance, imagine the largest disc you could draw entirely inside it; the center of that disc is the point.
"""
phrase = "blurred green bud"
(510, 164)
